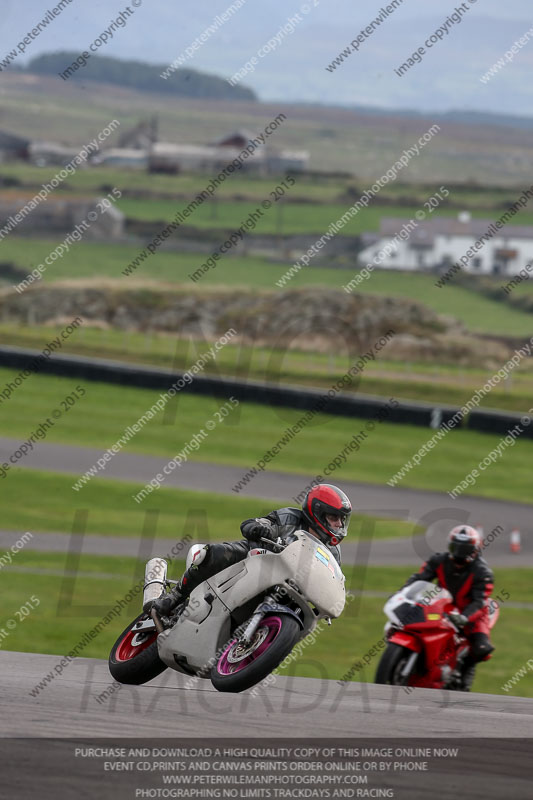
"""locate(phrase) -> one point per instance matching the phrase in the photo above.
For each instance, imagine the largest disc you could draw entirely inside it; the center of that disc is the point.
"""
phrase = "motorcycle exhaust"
(155, 577)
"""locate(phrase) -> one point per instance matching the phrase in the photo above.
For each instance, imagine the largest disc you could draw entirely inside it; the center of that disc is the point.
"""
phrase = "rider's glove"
(166, 603)
(256, 529)
(459, 620)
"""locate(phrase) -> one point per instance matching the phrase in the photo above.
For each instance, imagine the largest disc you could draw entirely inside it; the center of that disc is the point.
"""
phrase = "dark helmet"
(322, 500)
(464, 544)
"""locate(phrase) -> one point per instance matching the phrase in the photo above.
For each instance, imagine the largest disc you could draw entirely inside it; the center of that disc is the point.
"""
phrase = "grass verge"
(251, 430)
(169, 514)
(70, 608)
(427, 382)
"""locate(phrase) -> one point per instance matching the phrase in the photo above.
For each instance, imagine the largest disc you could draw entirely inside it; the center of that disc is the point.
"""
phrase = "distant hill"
(191, 83)
(138, 75)
(480, 118)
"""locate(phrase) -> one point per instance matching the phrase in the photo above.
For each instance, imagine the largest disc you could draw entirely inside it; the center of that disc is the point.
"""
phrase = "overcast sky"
(447, 78)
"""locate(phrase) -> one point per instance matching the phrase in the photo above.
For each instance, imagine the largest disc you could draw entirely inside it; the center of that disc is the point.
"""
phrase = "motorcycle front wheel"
(240, 667)
(134, 657)
(391, 664)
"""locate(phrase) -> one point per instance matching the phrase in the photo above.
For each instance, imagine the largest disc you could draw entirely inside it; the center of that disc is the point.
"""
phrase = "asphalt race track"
(294, 712)
(435, 511)
(293, 707)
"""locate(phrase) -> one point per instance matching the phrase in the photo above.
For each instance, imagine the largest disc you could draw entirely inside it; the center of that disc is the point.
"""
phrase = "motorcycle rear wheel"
(391, 664)
(240, 668)
(135, 659)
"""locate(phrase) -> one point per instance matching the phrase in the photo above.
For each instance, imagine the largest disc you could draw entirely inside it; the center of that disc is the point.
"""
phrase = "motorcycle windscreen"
(420, 594)
(426, 593)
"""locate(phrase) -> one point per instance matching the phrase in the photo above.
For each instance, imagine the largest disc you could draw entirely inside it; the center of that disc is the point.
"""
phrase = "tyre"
(134, 657)
(391, 664)
(240, 668)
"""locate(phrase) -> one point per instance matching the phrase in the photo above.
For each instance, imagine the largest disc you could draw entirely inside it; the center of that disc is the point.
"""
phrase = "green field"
(74, 604)
(408, 380)
(100, 180)
(251, 430)
(167, 514)
(285, 218)
(477, 313)
(93, 260)
(171, 514)
(316, 188)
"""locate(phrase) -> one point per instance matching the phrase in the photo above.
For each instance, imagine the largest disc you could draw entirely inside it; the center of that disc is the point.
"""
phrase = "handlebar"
(450, 619)
(274, 544)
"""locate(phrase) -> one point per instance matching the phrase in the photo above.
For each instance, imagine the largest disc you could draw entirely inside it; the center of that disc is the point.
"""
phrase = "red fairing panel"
(406, 641)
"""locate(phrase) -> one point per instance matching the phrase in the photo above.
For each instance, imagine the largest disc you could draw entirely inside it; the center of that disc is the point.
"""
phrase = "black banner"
(406, 769)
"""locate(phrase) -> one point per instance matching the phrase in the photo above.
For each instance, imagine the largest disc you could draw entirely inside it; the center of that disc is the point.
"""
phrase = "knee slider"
(488, 650)
(482, 651)
(196, 555)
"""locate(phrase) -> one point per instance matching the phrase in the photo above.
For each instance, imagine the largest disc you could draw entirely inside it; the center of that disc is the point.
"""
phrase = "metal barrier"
(362, 406)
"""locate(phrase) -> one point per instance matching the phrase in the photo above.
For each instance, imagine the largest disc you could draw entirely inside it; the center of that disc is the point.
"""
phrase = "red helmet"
(326, 499)
(464, 544)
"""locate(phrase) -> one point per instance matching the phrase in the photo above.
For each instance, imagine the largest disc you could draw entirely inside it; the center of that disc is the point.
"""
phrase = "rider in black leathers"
(325, 513)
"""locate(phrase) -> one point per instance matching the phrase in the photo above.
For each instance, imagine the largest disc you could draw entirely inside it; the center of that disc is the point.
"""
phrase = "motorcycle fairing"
(207, 625)
(406, 641)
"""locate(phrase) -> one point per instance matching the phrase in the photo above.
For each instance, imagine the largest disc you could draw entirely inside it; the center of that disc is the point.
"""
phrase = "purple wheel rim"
(226, 667)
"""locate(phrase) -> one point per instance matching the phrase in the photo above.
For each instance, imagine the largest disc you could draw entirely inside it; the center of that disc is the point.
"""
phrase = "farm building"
(238, 139)
(264, 160)
(141, 137)
(436, 244)
(176, 158)
(281, 161)
(31, 214)
(128, 157)
(44, 154)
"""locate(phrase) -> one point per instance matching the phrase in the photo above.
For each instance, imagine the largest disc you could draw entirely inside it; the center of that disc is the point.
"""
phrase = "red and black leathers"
(470, 586)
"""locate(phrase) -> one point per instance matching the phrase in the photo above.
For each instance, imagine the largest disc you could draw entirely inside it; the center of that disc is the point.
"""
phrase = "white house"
(438, 243)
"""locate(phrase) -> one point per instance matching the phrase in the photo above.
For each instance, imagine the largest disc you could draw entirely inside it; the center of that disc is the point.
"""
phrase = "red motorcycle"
(424, 646)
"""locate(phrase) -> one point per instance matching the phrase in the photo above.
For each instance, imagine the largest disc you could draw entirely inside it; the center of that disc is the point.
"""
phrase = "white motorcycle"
(237, 626)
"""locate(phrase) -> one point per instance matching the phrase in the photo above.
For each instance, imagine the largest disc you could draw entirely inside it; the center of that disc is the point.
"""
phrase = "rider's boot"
(165, 604)
(467, 677)
(191, 578)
